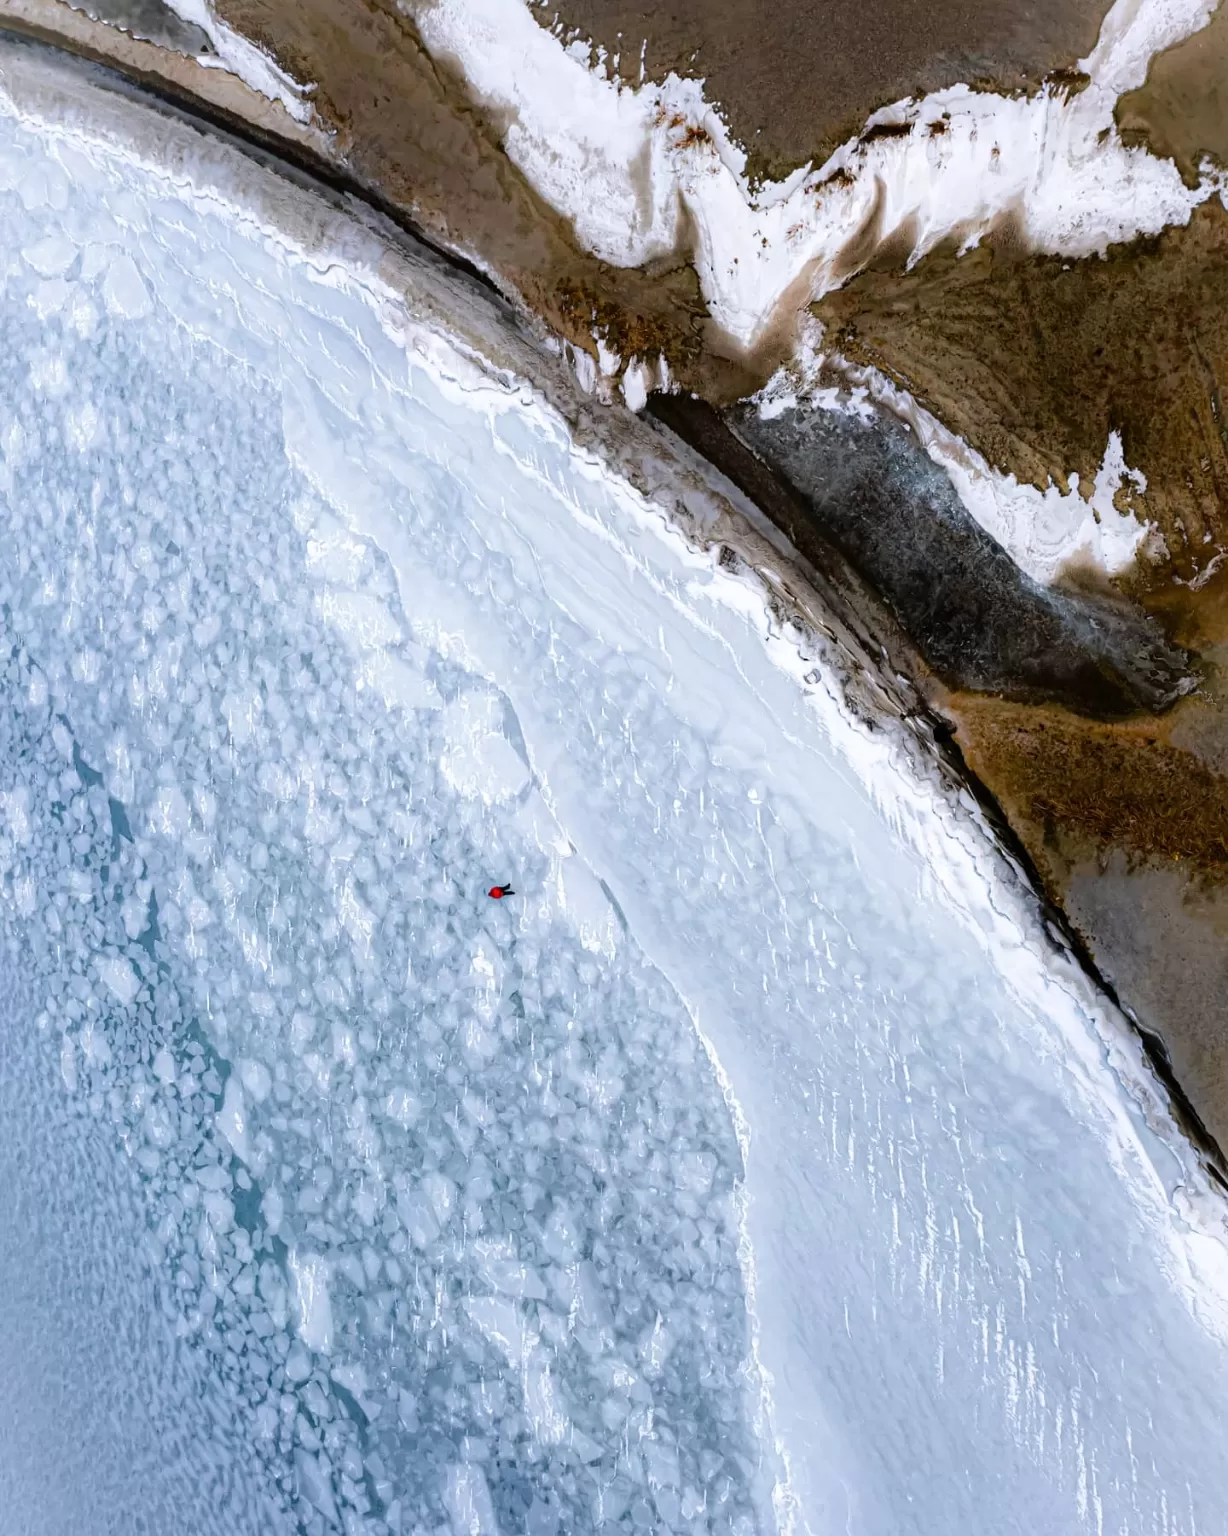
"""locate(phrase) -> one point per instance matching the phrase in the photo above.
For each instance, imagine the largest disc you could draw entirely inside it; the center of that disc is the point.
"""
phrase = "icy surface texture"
(432, 1208)
(442, 1188)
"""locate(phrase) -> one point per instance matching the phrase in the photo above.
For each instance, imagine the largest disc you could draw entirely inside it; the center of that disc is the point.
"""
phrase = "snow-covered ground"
(638, 167)
(759, 1165)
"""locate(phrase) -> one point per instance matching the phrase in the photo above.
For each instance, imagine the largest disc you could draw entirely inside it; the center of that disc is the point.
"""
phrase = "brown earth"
(1079, 787)
(1161, 938)
(793, 82)
(405, 126)
(1153, 787)
(1127, 826)
(1034, 360)
(1181, 110)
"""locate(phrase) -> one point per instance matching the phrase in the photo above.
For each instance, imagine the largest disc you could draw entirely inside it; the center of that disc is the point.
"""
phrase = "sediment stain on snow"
(922, 172)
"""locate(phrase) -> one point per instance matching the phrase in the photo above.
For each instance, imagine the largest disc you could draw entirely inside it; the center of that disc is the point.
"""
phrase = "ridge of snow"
(625, 164)
(243, 58)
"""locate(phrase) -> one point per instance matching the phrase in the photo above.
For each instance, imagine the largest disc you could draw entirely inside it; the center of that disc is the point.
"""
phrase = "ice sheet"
(759, 1164)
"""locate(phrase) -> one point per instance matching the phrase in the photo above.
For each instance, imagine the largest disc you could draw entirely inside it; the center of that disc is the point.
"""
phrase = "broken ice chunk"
(363, 620)
(119, 978)
(257, 1079)
(312, 1303)
(273, 1209)
(123, 289)
(232, 1120)
(466, 1496)
(503, 1324)
(316, 1485)
(584, 899)
(544, 1404)
(503, 1271)
(50, 257)
(416, 1212)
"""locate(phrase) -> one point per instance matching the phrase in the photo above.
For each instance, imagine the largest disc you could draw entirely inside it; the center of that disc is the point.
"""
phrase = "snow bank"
(243, 58)
(625, 164)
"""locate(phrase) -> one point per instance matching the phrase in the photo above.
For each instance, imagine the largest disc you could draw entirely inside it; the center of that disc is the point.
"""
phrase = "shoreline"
(848, 610)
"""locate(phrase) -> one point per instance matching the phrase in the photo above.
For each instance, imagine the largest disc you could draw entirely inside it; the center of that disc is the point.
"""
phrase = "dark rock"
(870, 490)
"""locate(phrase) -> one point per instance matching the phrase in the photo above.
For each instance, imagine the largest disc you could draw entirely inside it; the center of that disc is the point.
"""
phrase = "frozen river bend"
(759, 1165)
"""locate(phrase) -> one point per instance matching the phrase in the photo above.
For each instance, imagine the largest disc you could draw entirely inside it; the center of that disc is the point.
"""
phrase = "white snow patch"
(637, 380)
(243, 58)
(1042, 531)
(623, 164)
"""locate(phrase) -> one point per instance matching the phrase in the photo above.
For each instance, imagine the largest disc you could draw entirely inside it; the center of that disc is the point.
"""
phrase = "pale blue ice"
(757, 1166)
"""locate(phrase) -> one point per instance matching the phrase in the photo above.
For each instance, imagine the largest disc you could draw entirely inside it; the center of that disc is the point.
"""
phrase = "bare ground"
(794, 81)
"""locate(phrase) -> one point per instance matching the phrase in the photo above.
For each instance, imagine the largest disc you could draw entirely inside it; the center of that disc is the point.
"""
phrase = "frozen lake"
(757, 1165)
